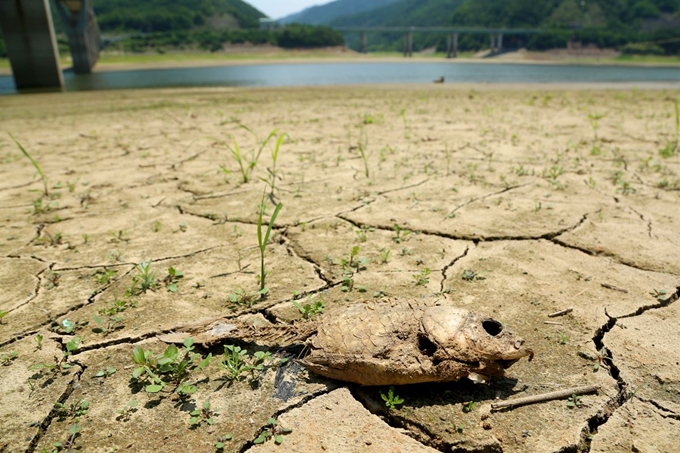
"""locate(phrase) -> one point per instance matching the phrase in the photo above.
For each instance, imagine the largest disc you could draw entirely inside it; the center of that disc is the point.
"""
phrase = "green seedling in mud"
(401, 234)
(273, 172)
(385, 255)
(238, 363)
(203, 415)
(68, 327)
(221, 442)
(38, 341)
(74, 410)
(563, 338)
(118, 306)
(272, 429)
(243, 297)
(600, 358)
(262, 241)
(104, 276)
(126, 412)
(574, 401)
(173, 367)
(351, 265)
(422, 278)
(144, 281)
(362, 146)
(311, 308)
(6, 359)
(69, 445)
(43, 178)
(391, 399)
(470, 406)
(105, 373)
(672, 148)
(172, 279)
(3, 313)
(659, 295)
(247, 161)
(594, 120)
(61, 364)
(471, 276)
(107, 324)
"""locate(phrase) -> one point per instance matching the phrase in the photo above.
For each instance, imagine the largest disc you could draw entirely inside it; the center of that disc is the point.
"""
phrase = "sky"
(280, 8)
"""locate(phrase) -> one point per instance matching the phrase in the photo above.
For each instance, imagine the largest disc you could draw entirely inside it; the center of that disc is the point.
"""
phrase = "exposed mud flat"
(514, 202)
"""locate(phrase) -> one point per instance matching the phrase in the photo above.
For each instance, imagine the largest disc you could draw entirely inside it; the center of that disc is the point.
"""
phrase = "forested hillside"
(174, 15)
(636, 26)
(324, 14)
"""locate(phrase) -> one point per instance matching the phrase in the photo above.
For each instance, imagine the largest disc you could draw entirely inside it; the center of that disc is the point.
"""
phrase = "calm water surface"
(357, 73)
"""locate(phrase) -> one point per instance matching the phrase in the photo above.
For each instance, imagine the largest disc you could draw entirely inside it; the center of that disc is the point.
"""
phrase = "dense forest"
(324, 14)
(635, 26)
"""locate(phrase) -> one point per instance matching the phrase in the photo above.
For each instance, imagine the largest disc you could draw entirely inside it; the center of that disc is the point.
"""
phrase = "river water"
(332, 73)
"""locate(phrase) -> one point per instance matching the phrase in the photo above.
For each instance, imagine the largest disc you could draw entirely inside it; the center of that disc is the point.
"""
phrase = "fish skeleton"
(388, 342)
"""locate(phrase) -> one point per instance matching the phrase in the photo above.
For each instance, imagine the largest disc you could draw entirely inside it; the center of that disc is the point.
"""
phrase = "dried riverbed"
(514, 202)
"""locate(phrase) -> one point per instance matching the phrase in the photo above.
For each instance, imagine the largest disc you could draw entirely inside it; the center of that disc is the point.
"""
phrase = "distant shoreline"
(127, 62)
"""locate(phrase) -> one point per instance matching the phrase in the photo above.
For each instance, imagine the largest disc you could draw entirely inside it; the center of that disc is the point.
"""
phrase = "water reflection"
(300, 74)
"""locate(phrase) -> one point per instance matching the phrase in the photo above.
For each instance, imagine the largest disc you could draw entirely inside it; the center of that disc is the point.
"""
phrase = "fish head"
(472, 338)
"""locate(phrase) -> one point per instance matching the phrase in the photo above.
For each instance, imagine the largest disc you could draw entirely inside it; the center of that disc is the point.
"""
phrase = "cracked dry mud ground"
(509, 184)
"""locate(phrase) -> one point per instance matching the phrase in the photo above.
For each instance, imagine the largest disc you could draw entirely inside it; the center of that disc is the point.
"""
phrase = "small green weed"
(470, 406)
(69, 445)
(262, 241)
(104, 276)
(238, 363)
(385, 255)
(126, 412)
(401, 234)
(574, 401)
(221, 442)
(391, 399)
(272, 429)
(74, 410)
(38, 341)
(172, 279)
(172, 367)
(594, 120)
(105, 372)
(203, 415)
(107, 324)
(311, 308)
(471, 276)
(144, 281)
(6, 359)
(43, 178)
(242, 297)
(247, 161)
(3, 313)
(61, 364)
(422, 278)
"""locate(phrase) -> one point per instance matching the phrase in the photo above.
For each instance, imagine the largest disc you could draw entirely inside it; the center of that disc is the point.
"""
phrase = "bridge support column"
(408, 44)
(364, 42)
(499, 47)
(83, 33)
(452, 45)
(31, 44)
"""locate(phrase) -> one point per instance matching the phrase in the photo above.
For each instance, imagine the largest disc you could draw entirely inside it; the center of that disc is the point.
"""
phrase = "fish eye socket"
(492, 327)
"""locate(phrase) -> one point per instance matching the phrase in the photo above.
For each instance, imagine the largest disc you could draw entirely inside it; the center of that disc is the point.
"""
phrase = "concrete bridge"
(32, 46)
(452, 34)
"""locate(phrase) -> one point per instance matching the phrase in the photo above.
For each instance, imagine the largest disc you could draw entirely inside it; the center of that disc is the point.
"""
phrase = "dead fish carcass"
(392, 342)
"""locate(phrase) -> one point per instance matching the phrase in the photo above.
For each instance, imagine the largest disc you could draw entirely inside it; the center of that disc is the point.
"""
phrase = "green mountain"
(643, 26)
(403, 13)
(174, 15)
(324, 14)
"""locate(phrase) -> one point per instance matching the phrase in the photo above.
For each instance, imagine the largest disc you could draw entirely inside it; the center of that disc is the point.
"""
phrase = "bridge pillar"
(452, 45)
(83, 33)
(364, 42)
(408, 44)
(500, 43)
(31, 44)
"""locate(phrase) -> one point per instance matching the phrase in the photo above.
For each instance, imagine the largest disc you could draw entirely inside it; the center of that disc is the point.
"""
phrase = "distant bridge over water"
(452, 34)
